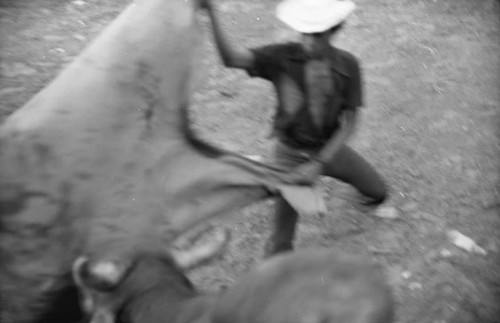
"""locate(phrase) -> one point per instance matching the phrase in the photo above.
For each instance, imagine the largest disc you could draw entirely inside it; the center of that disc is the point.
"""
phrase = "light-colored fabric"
(314, 16)
(305, 200)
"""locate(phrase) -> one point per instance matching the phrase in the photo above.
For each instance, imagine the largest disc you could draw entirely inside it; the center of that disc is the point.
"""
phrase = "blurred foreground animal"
(103, 158)
(309, 286)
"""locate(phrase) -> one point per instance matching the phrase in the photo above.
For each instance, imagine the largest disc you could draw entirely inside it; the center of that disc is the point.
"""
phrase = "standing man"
(319, 91)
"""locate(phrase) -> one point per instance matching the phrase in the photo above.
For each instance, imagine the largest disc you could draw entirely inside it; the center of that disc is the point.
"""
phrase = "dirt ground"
(430, 125)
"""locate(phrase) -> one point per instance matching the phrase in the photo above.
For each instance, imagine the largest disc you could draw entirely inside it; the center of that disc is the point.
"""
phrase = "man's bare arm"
(231, 54)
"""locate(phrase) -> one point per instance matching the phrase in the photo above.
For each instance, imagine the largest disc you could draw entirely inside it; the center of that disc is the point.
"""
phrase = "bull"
(319, 286)
(103, 157)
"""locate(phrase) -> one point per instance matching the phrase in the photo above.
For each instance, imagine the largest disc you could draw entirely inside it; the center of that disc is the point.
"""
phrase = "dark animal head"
(122, 288)
(313, 286)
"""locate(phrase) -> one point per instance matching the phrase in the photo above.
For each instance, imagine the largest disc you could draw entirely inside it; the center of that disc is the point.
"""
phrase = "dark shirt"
(283, 65)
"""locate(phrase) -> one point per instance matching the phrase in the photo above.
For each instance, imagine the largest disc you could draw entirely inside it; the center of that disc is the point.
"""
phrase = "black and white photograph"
(263, 161)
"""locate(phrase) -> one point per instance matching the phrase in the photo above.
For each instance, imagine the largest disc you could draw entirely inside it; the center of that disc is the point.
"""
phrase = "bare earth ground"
(432, 74)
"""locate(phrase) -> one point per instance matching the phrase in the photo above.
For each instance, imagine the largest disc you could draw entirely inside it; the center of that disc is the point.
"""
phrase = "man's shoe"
(378, 208)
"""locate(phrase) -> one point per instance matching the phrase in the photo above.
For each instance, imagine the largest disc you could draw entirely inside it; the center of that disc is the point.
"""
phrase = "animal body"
(103, 158)
(309, 286)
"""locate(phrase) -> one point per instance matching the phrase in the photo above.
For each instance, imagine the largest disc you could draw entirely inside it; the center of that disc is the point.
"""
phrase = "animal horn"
(86, 301)
(101, 275)
(199, 253)
(90, 277)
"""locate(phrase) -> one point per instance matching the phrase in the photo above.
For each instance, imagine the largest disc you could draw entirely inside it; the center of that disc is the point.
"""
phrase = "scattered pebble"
(462, 241)
(257, 158)
(406, 274)
(415, 285)
(79, 3)
(80, 37)
(415, 173)
(446, 253)
(410, 207)
(387, 212)
(227, 94)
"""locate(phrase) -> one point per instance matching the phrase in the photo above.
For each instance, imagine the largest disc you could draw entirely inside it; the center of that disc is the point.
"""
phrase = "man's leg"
(283, 234)
(285, 220)
(349, 167)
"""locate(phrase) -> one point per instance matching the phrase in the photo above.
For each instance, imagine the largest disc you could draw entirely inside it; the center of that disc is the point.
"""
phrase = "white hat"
(314, 16)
